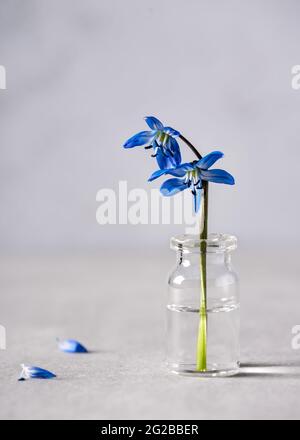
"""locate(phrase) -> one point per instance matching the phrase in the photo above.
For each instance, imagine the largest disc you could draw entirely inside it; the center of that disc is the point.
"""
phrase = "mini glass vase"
(222, 307)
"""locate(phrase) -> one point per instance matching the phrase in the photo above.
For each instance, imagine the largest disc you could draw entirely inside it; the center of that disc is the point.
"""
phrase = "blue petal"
(174, 146)
(71, 346)
(142, 138)
(208, 160)
(177, 172)
(166, 162)
(197, 200)
(171, 131)
(157, 174)
(217, 176)
(154, 123)
(172, 186)
(189, 166)
(32, 372)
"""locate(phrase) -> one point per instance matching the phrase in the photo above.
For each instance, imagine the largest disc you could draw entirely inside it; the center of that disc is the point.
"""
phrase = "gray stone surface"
(114, 305)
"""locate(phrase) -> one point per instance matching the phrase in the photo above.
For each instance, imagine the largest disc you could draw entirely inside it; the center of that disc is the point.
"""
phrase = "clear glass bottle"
(222, 307)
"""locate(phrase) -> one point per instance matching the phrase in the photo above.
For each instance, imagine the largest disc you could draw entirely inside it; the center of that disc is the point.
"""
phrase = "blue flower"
(190, 175)
(161, 139)
(71, 346)
(30, 372)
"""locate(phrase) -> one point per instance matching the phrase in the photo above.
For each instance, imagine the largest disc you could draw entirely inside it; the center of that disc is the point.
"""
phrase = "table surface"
(114, 304)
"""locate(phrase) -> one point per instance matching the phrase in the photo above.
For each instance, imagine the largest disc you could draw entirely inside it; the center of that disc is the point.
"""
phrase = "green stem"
(191, 146)
(202, 331)
(201, 361)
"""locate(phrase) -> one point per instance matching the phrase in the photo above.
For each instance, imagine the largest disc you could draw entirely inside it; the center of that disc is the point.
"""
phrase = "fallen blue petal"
(71, 346)
(31, 372)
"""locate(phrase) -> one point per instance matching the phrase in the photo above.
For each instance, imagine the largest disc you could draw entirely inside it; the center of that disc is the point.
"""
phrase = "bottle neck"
(212, 258)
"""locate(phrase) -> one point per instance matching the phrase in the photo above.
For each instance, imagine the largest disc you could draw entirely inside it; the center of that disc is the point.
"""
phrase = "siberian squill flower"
(161, 139)
(190, 176)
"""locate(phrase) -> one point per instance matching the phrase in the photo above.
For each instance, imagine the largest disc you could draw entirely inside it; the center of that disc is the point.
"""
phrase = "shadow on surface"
(100, 351)
(270, 369)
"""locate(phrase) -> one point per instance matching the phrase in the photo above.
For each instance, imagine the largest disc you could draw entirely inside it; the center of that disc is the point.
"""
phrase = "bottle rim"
(215, 243)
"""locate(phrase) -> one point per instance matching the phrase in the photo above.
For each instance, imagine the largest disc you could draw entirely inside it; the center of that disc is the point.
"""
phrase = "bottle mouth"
(215, 243)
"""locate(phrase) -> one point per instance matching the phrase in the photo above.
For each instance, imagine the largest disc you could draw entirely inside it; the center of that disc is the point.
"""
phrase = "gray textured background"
(82, 74)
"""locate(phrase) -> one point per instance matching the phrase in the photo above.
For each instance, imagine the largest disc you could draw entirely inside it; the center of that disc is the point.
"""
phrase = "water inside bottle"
(222, 337)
